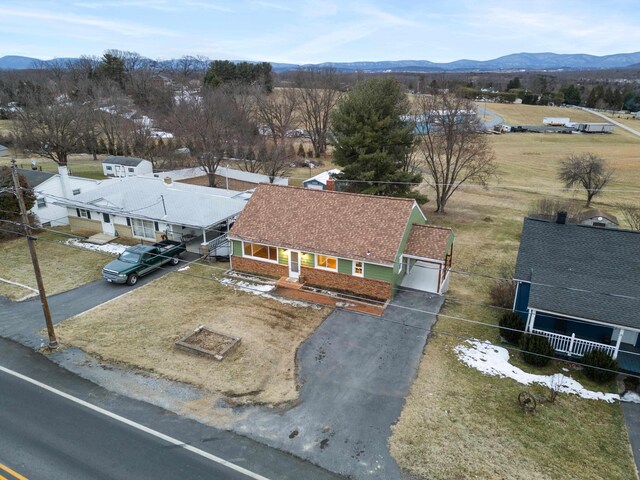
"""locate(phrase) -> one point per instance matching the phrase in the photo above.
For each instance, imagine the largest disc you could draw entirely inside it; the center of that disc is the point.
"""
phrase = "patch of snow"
(631, 397)
(111, 248)
(263, 291)
(186, 267)
(493, 360)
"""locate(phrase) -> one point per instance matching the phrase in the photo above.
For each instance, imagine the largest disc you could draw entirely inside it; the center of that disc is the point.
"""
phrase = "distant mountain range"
(516, 61)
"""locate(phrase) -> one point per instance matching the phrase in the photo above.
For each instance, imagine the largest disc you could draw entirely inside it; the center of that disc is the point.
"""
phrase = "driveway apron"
(355, 372)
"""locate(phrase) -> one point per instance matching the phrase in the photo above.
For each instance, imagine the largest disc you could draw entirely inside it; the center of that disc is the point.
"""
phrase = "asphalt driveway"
(355, 371)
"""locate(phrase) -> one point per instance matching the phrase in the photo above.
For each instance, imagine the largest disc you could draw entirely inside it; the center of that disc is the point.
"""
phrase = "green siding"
(237, 248)
(415, 217)
(344, 266)
(378, 272)
(308, 260)
(283, 257)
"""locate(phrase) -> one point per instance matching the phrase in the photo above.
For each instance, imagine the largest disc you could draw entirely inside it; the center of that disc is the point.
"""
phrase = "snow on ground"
(631, 397)
(493, 360)
(263, 291)
(111, 248)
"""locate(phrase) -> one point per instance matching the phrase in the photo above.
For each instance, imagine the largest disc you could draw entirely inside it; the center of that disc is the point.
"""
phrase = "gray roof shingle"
(582, 271)
(126, 161)
(35, 177)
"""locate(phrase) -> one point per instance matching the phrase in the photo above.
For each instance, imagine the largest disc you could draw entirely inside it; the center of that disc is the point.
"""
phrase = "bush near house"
(602, 368)
(511, 327)
(537, 350)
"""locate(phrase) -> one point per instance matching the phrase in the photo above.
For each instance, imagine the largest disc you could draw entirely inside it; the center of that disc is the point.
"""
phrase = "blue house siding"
(522, 299)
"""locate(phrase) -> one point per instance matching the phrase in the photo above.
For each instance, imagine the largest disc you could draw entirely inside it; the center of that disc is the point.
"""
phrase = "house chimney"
(168, 180)
(561, 218)
(331, 184)
(63, 171)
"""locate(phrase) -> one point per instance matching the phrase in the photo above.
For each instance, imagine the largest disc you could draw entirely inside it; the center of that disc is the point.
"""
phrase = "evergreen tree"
(373, 142)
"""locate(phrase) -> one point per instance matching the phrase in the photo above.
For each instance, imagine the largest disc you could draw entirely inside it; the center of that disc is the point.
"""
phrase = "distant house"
(319, 182)
(597, 218)
(4, 151)
(579, 286)
(225, 177)
(149, 208)
(116, 166)
(362, 244)
(50, 187)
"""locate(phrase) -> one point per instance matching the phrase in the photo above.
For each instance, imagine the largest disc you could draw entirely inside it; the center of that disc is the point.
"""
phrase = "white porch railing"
(221, 242)
(572, 346)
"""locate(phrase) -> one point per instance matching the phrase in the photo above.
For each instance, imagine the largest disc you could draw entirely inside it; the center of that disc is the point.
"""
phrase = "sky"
(315, 31)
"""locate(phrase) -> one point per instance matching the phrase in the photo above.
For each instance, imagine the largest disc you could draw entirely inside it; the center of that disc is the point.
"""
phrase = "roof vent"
(561, 218)
(168, 180)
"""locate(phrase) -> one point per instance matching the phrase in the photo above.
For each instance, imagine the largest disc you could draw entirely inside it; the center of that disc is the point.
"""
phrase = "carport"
(426, 261)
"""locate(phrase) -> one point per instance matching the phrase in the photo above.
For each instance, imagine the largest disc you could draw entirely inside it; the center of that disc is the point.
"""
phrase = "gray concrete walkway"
(631, 413)
(355, 372)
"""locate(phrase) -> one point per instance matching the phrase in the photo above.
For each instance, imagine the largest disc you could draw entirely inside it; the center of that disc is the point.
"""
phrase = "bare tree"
(451, 146)
(275, 160)
(277, 112)
(114, 111)
(211, 128)
(317, 95)
(51, 124)
(632, 216)
(587, 170)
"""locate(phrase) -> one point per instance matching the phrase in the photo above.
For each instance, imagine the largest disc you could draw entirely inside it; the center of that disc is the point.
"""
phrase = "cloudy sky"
(314, 31)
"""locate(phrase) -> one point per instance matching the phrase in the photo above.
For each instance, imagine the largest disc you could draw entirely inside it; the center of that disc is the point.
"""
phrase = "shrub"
(502, 293)
(599, 359)
(511, 327)
(537, 350)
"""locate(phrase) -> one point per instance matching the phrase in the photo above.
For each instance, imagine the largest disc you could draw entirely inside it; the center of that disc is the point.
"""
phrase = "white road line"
(136, 425)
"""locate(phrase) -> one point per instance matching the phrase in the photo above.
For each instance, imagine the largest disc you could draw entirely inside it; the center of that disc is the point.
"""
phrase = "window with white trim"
(263, 252)
(143, 228)
(76, 191)
(41, 202)
(84, 213)
(358, 269)
(109, 168)
(328, 263)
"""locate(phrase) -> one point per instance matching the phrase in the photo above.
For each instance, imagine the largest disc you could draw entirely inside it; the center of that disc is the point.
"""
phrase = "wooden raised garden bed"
(206, 341)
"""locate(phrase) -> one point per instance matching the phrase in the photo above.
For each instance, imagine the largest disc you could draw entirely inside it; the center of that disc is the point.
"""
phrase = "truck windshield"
(130, 257)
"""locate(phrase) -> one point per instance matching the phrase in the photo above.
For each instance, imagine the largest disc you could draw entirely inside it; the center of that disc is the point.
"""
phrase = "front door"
(294, 264)
(107, 225)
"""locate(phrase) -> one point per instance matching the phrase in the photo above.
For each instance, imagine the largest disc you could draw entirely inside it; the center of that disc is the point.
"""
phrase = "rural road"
(45, 435)
(611, 120)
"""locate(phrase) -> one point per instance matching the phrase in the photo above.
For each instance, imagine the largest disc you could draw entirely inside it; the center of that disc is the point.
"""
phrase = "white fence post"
(573, 339)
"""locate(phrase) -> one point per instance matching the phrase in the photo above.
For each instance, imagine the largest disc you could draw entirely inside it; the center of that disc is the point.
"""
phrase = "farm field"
(458, 423)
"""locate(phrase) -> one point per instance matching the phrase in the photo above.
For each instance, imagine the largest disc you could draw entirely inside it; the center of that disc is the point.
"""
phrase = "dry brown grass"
(458, 423)
(140, 329)
(63, 267)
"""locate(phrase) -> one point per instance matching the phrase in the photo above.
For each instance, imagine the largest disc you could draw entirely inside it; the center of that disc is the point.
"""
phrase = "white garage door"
(422, 276)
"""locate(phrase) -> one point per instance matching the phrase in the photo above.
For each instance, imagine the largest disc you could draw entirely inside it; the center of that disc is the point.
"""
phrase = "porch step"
(100, 239)
(288, 282)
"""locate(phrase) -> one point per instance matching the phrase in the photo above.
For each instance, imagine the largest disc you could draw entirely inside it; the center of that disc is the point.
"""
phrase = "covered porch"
(575, 337)
(210, 240)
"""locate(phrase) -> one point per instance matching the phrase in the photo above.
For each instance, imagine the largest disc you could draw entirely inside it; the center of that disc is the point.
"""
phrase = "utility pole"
(31, 241)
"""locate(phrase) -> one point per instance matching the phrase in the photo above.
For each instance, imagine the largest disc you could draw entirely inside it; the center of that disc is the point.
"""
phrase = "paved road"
(355, 372)
(631, 413)
(46, 436)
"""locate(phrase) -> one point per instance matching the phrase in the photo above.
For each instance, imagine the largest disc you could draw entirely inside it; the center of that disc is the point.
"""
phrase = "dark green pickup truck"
(137, 261)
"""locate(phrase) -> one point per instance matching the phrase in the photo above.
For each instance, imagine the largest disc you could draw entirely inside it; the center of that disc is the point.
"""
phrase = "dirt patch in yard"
(140, 329)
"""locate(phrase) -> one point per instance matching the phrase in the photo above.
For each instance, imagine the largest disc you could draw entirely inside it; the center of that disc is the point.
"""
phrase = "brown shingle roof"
(347, 225)
(428, 241)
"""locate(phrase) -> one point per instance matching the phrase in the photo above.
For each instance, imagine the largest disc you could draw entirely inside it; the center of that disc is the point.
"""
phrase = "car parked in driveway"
(140, 260)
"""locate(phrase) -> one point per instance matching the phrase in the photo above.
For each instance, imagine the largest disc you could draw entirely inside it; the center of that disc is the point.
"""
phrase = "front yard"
(63, 267)
(140, 329)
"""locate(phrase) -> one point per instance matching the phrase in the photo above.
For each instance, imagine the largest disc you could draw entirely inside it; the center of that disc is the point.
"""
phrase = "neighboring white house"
(319, 182)
(50, 187)
(148, 208)
(4, 151)
(115, 166)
